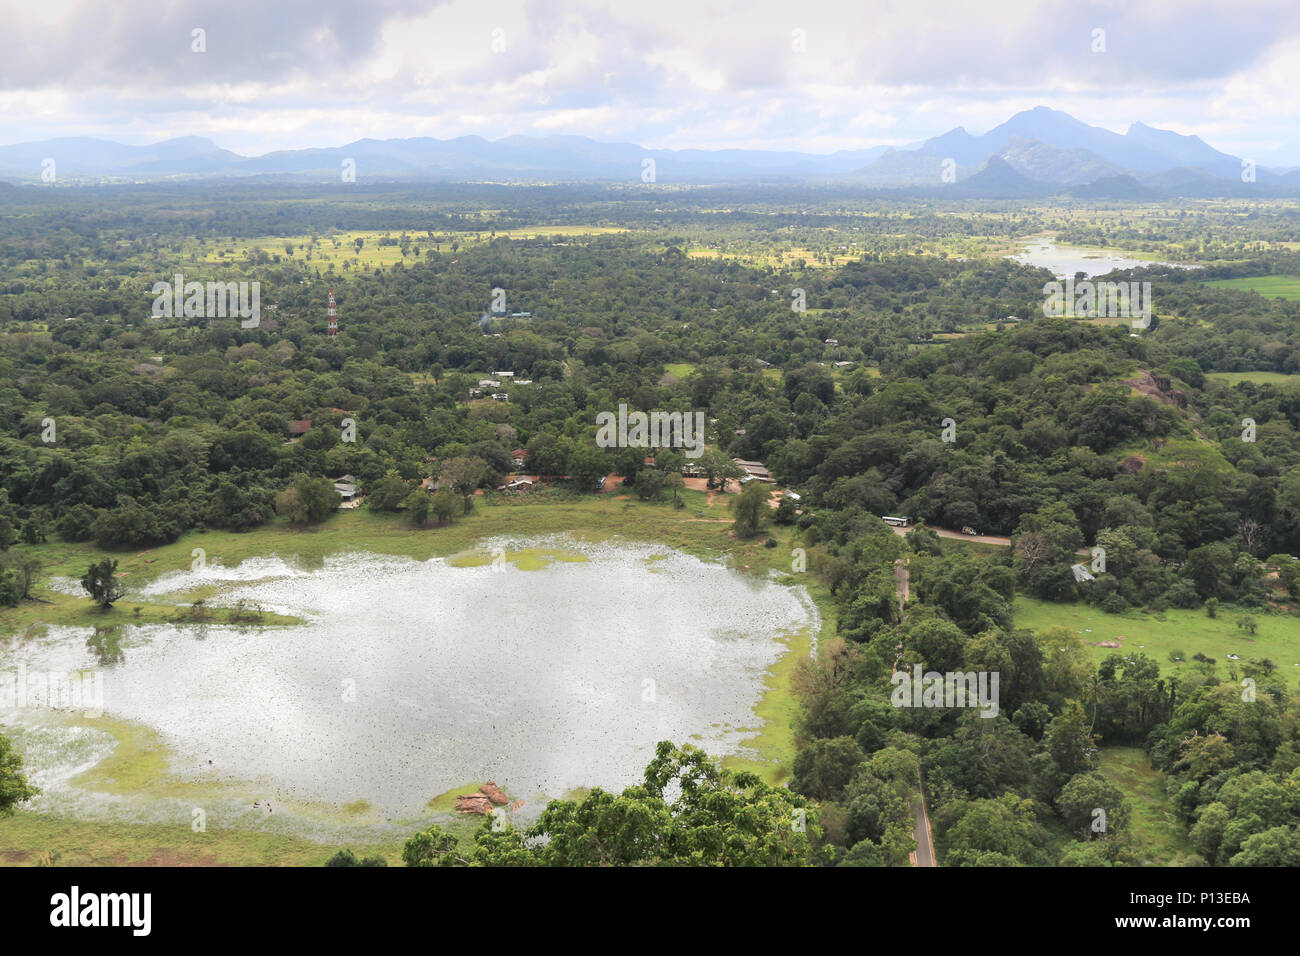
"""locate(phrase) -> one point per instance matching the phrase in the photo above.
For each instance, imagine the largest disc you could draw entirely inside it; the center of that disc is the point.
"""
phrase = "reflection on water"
(413, 678)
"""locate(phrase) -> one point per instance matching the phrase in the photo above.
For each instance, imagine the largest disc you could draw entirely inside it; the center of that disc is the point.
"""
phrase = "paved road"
(924, 855)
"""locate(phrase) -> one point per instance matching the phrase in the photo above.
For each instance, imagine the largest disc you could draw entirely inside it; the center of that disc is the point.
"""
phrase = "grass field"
(1259, 378)
(139, 763)
(339, 249)
(1192, 632)
(1274, 287)
(1163, 837)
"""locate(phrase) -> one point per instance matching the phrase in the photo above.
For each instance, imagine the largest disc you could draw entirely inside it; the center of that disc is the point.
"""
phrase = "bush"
(1114, 604)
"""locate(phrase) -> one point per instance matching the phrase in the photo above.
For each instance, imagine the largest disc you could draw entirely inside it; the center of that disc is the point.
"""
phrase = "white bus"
(899, 522)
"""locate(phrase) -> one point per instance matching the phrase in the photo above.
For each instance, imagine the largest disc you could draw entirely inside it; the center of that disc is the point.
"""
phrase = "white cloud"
(673, 73)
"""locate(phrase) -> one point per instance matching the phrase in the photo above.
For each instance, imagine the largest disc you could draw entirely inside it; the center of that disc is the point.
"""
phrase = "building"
(754, 471)
(299, 427)
(518, 457)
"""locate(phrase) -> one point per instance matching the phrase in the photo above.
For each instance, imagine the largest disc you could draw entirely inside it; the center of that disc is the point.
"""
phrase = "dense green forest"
(921, 379)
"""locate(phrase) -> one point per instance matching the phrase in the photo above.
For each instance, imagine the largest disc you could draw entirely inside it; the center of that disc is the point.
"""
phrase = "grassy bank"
(1162, 836)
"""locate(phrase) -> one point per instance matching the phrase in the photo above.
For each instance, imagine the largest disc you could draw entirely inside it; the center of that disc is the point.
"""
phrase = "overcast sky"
(812, 75)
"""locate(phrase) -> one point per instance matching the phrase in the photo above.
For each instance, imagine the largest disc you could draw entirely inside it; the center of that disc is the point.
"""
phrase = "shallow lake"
(1064, 261)
(411, 678)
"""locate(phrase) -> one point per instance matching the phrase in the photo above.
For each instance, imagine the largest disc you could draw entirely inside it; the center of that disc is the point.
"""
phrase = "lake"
(1064, 261)
(543, 670)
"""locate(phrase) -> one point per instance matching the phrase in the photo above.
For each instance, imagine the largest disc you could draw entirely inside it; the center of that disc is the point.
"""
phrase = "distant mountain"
(1114, 187)
(905, 167)
(76, 157)
(1050, 164)
(999, 180)
(1036, 152)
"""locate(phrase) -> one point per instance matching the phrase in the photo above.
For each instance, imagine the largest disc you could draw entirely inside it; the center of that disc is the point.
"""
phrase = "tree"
(1289, 574)
(749, 507)
(348, 858)
(1068, 741)
(27, 568)
(1276, 846)
(994, 831)
(587, 464)
(431, 847)
(785, 511)
(307, 500)
(688, 811)
(1083, 795)
(444, 505)
(823, 768)
(717, 467)
(418, 505)
(674, 481)
(14, 788)
(102, 584)
(388, 493)
(649, 484)
(464, 475)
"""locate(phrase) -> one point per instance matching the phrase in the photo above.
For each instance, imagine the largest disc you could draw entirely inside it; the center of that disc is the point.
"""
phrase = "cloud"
(673, 73)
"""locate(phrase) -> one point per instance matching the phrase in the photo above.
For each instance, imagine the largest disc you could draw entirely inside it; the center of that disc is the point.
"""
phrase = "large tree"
(750, 507)
(102, 584)
(688, 811)
(14, 788)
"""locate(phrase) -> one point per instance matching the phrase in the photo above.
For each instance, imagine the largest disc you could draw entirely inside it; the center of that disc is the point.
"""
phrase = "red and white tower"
(333, 316)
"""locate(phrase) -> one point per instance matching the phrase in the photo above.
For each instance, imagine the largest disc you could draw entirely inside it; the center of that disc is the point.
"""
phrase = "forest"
(919, 378)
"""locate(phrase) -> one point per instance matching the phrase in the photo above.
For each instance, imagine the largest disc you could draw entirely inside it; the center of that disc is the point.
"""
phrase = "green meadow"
(1161, 835)
(1190, 631)
(1259, 378)
(1273, 287)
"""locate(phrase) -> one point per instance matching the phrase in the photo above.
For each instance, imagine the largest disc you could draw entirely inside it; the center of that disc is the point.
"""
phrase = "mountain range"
(1036, 153)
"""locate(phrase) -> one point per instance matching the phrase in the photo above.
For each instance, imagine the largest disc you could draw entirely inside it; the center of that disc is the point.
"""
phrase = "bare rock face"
(489, 797)
(474, 803)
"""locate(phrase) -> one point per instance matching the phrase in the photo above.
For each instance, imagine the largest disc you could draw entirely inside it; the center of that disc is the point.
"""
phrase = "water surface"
(412, 678)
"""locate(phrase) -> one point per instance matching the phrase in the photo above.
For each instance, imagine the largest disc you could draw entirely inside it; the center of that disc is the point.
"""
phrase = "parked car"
(967, 529)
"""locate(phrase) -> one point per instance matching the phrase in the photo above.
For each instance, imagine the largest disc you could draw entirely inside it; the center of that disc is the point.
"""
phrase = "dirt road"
(945, 533)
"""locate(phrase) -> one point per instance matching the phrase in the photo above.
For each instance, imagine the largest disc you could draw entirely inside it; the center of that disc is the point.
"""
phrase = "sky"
(812, 76)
